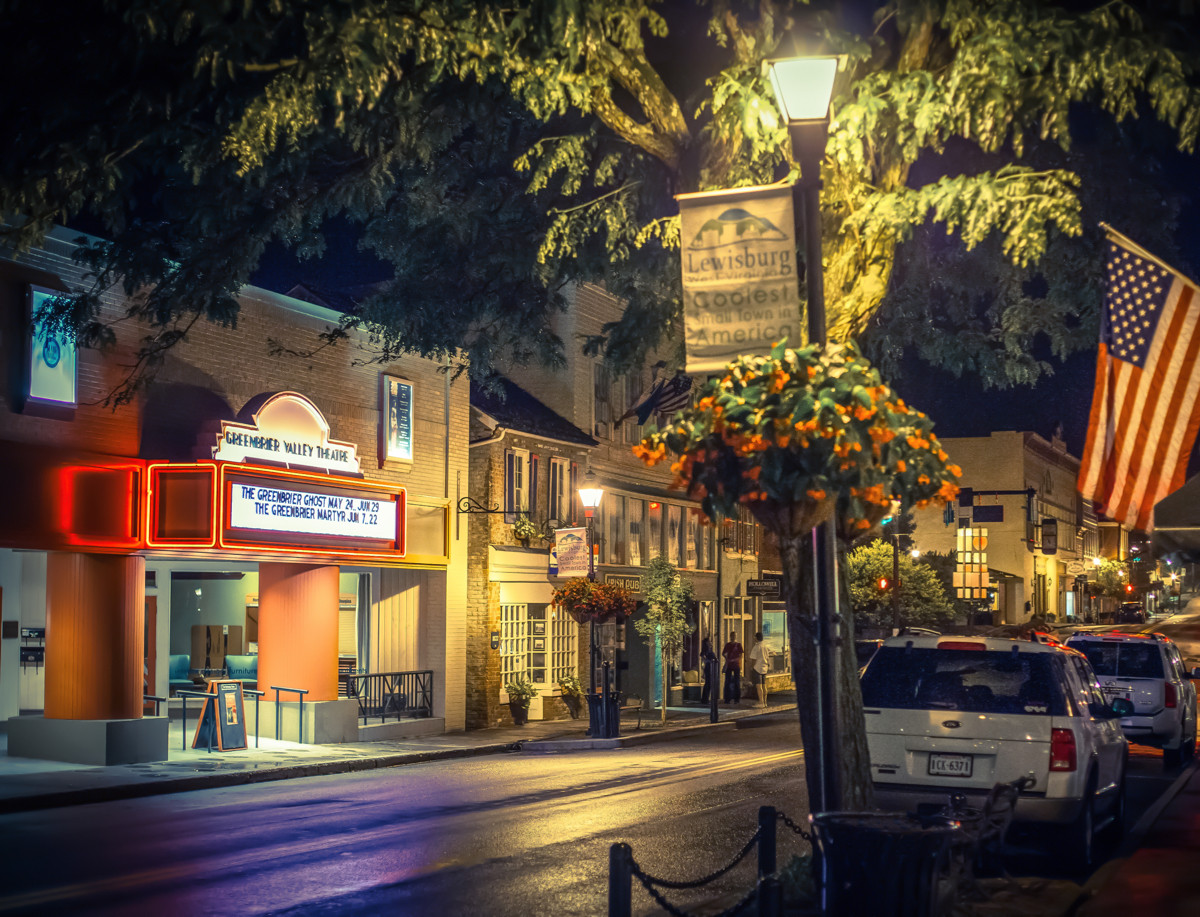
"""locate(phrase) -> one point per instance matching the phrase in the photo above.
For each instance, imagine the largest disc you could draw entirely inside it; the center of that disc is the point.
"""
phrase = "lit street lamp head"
(803, 87)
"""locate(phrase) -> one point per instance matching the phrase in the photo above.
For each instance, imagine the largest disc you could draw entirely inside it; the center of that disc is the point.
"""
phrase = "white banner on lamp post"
(740, 291)
(572, 549)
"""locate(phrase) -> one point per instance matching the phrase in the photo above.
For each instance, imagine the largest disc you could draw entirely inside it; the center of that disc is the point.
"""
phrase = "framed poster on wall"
(395, 419)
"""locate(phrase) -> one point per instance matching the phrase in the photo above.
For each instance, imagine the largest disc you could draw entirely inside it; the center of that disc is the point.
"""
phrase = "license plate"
(943, 765)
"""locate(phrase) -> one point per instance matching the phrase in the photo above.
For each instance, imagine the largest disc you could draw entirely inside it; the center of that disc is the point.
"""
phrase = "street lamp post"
(589, 495)
(803, 88)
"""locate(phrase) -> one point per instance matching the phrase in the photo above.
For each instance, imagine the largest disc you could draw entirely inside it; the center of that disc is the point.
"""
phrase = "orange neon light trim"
(69, 495)
(155, 509)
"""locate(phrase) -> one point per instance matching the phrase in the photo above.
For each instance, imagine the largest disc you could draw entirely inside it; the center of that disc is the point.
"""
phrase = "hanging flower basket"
(586, 601)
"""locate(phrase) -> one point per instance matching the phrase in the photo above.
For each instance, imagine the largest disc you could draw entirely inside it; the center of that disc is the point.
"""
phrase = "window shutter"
(573, 491)
(510, 464)
(533, 485)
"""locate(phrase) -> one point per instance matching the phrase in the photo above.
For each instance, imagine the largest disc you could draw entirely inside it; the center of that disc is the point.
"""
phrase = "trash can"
(604, 715)
(882, 864)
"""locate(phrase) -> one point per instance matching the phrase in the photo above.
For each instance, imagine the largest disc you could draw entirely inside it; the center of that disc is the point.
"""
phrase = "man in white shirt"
(760, 664)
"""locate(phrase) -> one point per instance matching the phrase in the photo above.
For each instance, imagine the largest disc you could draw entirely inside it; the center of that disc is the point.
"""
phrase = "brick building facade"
(396, 613)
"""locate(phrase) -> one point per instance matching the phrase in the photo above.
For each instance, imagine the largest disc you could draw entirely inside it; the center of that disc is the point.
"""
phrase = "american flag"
(1144, 415)
(664, 399)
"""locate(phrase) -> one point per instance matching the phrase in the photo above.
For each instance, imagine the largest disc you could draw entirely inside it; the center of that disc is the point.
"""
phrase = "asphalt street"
(517, 834)
(514, 834)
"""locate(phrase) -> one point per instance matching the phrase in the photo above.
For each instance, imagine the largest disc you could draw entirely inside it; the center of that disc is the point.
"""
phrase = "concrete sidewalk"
(27, 784)
(1158, 872)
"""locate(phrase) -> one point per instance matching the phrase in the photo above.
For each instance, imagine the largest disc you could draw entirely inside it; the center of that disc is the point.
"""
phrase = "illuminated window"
(537, 642)
(52, 363)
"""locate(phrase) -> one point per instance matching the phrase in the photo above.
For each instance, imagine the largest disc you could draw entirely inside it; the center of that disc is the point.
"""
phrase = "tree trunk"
(854, 770)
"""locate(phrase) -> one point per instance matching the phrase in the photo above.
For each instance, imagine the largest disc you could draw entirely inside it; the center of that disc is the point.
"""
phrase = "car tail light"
(1062, 750)
(1169, 697)
(960, 645)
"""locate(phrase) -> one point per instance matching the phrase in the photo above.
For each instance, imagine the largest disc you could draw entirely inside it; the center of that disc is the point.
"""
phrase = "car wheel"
(1081, 835)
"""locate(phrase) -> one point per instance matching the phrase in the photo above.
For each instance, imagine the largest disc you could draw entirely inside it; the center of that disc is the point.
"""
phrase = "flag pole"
(1128, 243)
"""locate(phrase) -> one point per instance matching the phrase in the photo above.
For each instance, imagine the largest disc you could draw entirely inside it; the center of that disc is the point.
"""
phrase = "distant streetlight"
(915, 552)
(589, 495)
(1096, 561)
(803, 88)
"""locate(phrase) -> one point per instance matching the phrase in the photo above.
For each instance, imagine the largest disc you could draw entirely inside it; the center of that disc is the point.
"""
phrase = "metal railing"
(279, 709)
(391, 694)
(150, 698)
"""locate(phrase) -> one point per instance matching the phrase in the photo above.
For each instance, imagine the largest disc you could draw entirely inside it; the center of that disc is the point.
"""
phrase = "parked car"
(1147, 670)
(956, 715)
(1131, 613)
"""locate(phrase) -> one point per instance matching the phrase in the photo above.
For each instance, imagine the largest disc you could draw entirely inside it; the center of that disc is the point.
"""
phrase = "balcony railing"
(391, 694)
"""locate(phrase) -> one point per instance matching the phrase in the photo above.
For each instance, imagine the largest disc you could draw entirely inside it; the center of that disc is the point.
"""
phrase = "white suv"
(1147, 670)
(956, 715)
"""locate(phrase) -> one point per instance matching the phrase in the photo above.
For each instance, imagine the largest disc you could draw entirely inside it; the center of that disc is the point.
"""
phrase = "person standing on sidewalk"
(707, 658)
(733, 653)
(760, 664)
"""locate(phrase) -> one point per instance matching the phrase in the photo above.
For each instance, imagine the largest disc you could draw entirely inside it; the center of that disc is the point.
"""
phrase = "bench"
(629, 704)
(179, 672)
(243, 669)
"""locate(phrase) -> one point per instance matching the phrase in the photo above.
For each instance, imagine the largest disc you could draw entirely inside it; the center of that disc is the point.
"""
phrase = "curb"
(168, 785)
(554, 746)
(113, 793)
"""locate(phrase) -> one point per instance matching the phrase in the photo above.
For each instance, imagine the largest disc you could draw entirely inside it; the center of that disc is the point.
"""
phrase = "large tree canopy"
(191, 135)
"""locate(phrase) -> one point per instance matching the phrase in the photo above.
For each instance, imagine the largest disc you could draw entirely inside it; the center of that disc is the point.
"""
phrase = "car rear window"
(969, 680)
(1122, 660)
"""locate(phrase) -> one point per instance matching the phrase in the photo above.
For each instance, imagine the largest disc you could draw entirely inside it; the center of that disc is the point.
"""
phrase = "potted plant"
(520, 692)
(572, 694)
(586, 601)
(525, 530)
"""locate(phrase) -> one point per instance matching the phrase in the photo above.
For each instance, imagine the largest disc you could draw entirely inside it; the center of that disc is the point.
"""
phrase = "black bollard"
(620, 880)
(766, 841)
(770, 898)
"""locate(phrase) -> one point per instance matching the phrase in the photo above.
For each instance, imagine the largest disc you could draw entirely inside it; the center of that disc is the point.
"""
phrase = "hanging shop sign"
(290, 431)
(571, 550)
(740, 287)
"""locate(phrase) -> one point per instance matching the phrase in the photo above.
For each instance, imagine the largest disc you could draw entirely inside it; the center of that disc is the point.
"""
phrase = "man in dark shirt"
(733, 670)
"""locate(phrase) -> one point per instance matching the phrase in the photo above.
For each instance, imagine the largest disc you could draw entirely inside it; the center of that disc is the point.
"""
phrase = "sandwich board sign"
(222, 718)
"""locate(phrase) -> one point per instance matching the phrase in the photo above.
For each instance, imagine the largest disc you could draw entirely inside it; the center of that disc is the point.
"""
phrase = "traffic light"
(1128, 588)
(883, 584)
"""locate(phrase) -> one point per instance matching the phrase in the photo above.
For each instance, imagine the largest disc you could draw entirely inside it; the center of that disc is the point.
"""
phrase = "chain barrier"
(653, 884)
(795, 827)
(649, 880)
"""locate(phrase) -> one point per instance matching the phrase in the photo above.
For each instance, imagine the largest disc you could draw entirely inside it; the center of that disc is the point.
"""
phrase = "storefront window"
(675, 534)
(612, 550)
(636, 511)
(692, 553)
(654, 548)
(537, 642)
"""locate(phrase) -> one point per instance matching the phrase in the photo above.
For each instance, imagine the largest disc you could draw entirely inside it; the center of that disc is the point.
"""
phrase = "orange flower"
(948, 491)
(923, 479)
(862, 523)
(954, 470)
(862, 413)
(752, 472)
(874, 494)
(778, 380)
(917, 442)
(650, 456)
(882, 434)
(901, 466)
(816, 494)
(782, 441)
